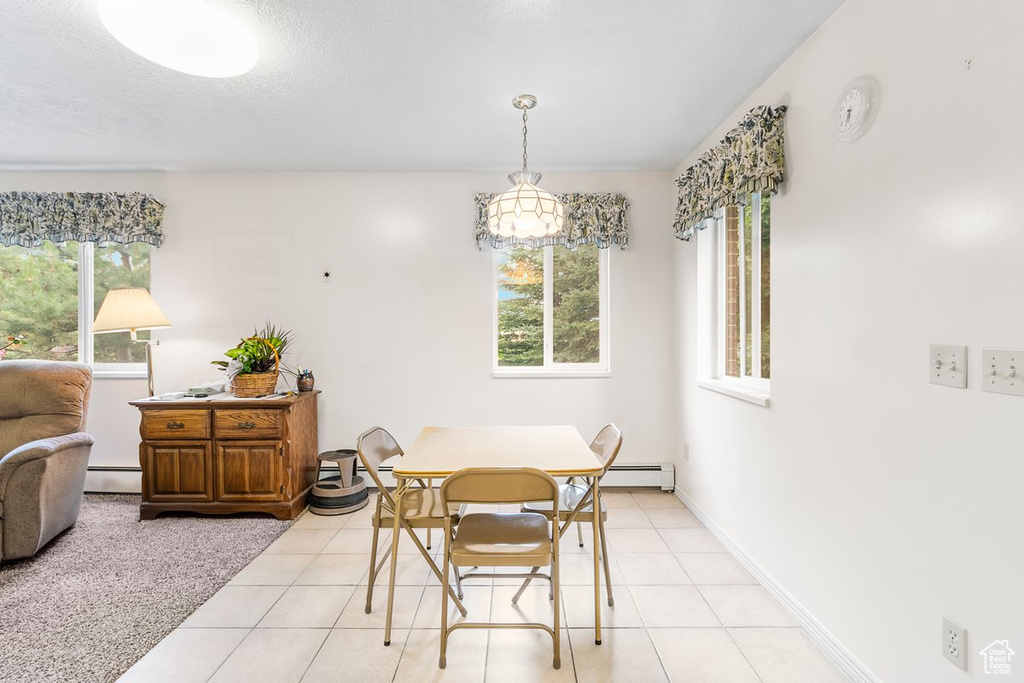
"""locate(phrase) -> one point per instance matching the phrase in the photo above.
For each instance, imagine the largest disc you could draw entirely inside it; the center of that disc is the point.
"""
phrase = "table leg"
(396, 533)
(595, 522)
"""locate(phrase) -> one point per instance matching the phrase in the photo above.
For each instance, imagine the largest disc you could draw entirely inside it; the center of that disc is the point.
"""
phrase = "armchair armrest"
(40, 448)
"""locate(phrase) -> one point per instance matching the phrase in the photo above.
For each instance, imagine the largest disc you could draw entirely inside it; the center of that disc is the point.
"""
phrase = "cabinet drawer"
(247, 424)
(176, 424)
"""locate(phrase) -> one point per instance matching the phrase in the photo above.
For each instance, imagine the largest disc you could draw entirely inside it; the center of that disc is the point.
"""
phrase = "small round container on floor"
(340, 494)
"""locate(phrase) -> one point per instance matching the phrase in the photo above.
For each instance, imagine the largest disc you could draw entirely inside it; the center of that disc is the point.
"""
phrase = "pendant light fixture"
(525, 211)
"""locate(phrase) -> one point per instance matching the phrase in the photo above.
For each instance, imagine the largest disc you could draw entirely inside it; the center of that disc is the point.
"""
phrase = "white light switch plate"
(1002, 371)
(947, 365)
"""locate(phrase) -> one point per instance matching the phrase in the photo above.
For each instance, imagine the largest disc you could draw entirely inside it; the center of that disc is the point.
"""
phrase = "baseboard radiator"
(100, 479)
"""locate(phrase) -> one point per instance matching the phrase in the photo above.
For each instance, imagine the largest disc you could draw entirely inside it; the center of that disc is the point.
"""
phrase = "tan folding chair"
(421, 507)
(517, 539)
(574, 498)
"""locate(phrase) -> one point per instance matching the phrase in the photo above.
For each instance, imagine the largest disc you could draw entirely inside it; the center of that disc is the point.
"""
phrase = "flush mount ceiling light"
(525, 211)
(191, 36)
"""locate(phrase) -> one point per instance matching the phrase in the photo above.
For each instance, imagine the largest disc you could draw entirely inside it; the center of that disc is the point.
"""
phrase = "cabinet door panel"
(178, 471)
(248, 471)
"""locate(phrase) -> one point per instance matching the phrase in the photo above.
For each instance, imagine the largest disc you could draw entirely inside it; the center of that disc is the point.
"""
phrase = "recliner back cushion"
(40, 399)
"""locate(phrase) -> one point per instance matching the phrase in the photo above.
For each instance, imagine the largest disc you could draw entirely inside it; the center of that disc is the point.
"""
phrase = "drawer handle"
(245, 425)
(175, 425)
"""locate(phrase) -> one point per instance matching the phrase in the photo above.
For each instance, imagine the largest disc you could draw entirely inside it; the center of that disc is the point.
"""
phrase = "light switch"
(1002, 371)
(947, 365)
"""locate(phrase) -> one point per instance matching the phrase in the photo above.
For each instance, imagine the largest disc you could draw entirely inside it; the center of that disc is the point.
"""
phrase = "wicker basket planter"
(254, 385)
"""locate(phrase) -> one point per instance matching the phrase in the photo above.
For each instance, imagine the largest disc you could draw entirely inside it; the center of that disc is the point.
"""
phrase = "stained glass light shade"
(525, 211)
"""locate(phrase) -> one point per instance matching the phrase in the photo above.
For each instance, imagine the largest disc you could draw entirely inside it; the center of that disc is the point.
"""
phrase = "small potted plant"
(256, 362)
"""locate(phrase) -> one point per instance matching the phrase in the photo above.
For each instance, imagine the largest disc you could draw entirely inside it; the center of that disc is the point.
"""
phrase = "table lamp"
(129, 309)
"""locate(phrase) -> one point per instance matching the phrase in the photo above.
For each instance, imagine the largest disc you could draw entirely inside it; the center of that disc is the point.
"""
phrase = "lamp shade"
(127, 309)
(526, 211)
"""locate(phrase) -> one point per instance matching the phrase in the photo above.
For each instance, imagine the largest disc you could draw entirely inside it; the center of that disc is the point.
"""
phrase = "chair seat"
(569, 496)
(501, 539)
(421, 509)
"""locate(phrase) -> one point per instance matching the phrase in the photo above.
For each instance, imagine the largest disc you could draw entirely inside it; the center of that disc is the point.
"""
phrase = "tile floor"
(685, 611)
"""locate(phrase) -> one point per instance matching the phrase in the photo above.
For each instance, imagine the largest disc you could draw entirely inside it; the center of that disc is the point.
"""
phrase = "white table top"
(439, 451)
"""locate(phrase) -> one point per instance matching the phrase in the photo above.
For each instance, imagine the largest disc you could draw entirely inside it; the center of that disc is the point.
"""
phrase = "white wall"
(879, 501)
(403, 337)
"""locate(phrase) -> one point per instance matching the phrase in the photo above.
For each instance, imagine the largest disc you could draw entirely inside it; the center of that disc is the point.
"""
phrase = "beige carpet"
(101, 595)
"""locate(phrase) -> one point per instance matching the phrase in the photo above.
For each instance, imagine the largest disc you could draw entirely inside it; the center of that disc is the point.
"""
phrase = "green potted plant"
(256, 362)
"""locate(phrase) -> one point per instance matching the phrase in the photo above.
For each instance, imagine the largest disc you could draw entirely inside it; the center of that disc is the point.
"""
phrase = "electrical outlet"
(686, 452)
(954, 642)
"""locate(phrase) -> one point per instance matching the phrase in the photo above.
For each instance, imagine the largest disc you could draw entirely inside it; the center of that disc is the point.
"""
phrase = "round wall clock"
(856, 108)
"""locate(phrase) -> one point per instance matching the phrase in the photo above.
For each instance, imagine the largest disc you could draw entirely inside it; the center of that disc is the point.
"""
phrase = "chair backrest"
(499, 485)
(606, 445)
(374, 446)
(41, 399)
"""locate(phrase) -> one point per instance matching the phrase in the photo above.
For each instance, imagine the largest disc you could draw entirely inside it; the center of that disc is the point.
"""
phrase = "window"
(550, 314)
(51, 293)
(738, 357)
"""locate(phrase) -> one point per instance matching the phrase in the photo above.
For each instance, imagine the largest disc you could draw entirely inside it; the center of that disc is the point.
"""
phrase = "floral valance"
(748, 159)
(29, 218)
(589, 219)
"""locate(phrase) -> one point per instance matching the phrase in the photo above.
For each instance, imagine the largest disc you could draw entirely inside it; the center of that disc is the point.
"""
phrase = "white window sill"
(737, 389)
(119, 374)
(549, 374)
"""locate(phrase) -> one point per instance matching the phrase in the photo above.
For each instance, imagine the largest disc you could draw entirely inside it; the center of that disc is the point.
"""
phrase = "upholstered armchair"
(43, 452)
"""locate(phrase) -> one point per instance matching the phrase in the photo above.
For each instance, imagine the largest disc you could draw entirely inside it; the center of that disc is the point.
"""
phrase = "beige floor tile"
(357, 542)
(714, 569)
(701, 655)
(413, 570)
(310, 521)
(235, 607)
(576, 570)
(301, 541)
(690, 541)
(467, 654)
(635, 541)
(362, 519)
(515, 656)
(308, 607)
(673, 606)
(272, 570)
(655, 499)
(356, 656)
(672, 518)
(785, 655)
(745, 606)
(626, 655)
(189, 655)
(335, 570)
(618, 499)
(626, 518)
(534, 605)
(407, 599)
(477, 601)
(271, 654)
(579, 608)
(651, 569)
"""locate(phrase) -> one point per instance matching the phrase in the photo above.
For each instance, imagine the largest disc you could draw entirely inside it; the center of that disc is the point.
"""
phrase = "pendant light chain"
(524, 140)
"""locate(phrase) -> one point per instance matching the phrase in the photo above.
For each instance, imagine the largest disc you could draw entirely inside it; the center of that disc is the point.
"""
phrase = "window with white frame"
(738, 309)
(50, 295)
(550, 311)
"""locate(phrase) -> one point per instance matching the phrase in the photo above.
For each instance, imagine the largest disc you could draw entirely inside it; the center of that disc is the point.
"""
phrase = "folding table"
(558, 450)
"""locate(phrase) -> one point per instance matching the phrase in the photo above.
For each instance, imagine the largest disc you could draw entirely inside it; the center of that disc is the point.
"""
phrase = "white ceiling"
(396, 85)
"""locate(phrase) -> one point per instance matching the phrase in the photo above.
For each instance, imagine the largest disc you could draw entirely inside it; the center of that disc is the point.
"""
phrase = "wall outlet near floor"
(954, 642)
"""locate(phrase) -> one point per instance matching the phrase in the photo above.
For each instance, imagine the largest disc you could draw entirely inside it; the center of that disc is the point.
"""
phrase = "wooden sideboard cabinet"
(228, 455)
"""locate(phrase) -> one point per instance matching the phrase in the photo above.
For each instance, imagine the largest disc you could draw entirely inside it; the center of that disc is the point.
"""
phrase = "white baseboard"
(834, 650)
(113, 480)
